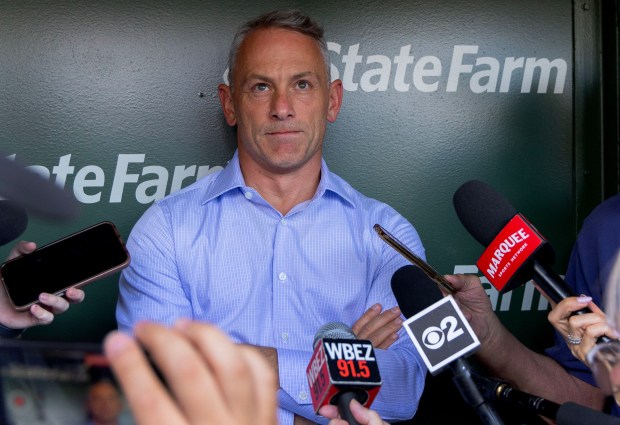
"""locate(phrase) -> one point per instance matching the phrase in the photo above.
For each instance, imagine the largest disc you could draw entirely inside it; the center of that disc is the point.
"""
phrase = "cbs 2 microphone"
(441, 334)
(342, 368)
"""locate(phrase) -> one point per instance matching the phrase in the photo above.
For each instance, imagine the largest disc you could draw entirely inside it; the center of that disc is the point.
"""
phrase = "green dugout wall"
(117, 101)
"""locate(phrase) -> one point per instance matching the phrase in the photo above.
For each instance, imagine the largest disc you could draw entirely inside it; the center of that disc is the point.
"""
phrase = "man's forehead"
(276, 36)
(267, 50)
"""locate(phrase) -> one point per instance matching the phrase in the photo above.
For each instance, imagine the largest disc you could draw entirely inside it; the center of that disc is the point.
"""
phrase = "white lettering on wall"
(147, 183)
(405, 71)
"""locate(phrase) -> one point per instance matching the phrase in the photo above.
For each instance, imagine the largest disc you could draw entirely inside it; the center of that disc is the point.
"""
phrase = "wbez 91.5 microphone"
(342, 368)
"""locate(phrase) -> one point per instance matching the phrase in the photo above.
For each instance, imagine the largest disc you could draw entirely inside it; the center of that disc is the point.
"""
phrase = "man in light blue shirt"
(275, 245)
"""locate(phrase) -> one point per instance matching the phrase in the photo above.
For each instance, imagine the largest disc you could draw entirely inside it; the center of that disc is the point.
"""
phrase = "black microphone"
(574, 414)
(516, 252)
(36, 194)
(493, 389)
(564, 414)
(13, 221)
(441, 334)
(342, 368)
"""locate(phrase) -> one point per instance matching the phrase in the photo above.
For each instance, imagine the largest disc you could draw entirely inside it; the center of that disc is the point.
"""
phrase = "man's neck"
(284, 191)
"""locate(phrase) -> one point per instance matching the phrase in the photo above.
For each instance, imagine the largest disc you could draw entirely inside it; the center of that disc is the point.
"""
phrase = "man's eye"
(303, 85)
(261, 87)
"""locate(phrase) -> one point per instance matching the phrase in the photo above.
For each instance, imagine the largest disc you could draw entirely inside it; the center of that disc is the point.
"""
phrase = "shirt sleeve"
(402, 369)
(149, 288)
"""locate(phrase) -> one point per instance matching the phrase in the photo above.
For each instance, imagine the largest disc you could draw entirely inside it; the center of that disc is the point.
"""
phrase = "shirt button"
(303, 395)
(284, 222)
(282, 276)
(248, 195)
(284, 336)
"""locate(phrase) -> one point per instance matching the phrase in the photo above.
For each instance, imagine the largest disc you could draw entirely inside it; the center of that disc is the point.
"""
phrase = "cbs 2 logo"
(434, 337)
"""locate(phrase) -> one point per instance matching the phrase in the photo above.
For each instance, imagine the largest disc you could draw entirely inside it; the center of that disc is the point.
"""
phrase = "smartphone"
(414, 259)
(71, 262)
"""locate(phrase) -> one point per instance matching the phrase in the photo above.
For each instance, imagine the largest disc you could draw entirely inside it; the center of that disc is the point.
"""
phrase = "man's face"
(281, 100)
(104, 403)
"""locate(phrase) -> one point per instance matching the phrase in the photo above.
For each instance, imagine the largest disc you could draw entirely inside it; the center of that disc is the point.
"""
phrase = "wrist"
(10, 333)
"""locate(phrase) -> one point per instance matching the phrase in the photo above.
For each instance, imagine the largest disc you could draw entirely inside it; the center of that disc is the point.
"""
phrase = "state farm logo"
(91, 184)
(484, 74)
(406, 71)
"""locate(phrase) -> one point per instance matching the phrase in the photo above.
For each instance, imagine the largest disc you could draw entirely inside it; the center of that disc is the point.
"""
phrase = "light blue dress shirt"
(217, 252)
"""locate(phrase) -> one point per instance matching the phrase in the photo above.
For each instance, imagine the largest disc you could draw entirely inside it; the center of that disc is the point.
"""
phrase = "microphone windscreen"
(575, 414)
(414, 290)
(333, 330)
(13, 221)
(482, 210)
(36, 194)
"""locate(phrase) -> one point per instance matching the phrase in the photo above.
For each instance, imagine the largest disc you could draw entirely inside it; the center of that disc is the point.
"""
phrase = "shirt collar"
(231, 178)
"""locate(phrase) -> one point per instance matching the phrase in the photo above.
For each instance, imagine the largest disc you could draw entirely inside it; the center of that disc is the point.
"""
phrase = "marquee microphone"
(342, 368)
(515, 251)
(441, 334)
(13, 221)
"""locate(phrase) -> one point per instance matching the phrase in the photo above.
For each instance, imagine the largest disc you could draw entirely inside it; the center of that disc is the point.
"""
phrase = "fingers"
(329, 411)
(186, 373)
(149, 401)
(371, 313)
(229, 371)
(265, 387)
(381, 328)
(565, 308)
(59, 304)
(74, 295)
(362, 414)
(463, 281)
(198, 359)
(580, 331)
(23, 247)
(597, 330)
(54, 302)
(40, 316)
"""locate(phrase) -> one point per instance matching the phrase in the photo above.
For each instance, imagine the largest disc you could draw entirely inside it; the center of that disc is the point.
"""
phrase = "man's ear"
(335, 100)
(225, 94)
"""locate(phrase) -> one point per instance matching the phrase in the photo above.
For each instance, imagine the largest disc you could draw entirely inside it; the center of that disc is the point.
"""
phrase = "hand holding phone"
(71, 262)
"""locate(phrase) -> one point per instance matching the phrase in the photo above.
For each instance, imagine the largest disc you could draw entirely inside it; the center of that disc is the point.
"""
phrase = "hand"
(37, 314)
(380, 327)
(210, 380)
(474, 303)
(582, 328)
(363, 415)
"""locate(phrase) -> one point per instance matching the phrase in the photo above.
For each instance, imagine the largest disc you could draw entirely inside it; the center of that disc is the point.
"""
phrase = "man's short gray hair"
(293, 20)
